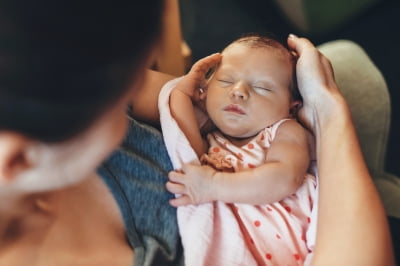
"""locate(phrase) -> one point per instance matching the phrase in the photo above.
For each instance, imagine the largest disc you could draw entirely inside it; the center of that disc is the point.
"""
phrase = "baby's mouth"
(234, 108)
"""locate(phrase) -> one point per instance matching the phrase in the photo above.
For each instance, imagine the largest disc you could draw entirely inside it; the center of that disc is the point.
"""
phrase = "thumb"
(305, 118)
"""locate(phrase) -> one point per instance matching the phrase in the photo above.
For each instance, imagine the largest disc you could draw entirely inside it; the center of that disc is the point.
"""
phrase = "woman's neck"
(22, 213)
(62, 228)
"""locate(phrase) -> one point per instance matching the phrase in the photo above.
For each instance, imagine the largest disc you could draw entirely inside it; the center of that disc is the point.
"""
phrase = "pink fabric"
(282, 233)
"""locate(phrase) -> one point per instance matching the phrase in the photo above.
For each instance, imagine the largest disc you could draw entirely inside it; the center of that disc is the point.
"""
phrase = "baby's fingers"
(180, 201)
(176, 177)
(175, 188)
(201, 67)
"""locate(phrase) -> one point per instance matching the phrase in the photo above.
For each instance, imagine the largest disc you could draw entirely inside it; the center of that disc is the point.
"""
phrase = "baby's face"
(250, 90)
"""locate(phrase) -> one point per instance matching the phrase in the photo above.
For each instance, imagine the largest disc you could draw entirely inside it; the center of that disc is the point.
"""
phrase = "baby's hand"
(194, 183)
(193, 83)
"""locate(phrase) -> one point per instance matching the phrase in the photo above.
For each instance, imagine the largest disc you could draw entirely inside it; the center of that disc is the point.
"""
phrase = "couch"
(365, 89)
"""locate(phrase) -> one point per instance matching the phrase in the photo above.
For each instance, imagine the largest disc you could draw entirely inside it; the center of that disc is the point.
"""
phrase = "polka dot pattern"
(251, 165)
(216, 149)
(271, 230)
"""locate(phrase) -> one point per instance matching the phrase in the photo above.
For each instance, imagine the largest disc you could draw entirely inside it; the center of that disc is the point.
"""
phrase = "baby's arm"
(287, 161)
(182, 97)
(286, 164)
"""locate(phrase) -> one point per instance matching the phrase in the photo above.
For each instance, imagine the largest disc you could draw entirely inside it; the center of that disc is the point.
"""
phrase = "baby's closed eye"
(261, 88)
(225, 82)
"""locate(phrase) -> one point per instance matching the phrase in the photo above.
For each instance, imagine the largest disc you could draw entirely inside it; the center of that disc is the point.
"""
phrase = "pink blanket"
(211, 233)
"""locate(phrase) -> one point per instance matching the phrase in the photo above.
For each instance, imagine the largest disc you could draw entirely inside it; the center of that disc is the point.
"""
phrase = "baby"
(256, 160)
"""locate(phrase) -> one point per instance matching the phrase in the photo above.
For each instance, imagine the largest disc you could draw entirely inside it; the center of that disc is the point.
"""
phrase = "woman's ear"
(13, 155)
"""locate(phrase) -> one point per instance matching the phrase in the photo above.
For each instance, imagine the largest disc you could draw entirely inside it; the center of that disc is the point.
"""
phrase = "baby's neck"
(239, 142)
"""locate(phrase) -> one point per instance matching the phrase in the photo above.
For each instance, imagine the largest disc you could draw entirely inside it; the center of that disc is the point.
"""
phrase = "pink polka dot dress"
(277, 233)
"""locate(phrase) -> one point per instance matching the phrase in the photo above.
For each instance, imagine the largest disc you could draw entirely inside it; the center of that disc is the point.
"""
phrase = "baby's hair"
(254, 40)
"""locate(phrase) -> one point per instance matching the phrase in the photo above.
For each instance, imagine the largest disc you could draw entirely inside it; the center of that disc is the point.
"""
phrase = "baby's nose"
(240, 91)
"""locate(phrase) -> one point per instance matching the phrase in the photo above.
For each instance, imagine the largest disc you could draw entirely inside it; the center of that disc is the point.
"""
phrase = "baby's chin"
(238, 138)
(237, 131)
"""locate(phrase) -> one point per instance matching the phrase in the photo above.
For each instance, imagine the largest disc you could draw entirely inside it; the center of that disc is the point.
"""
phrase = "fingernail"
(294, 54)
(291, 35)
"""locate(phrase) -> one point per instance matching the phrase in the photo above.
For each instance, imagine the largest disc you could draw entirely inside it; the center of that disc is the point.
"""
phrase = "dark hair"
(64, 62)
(254, 40)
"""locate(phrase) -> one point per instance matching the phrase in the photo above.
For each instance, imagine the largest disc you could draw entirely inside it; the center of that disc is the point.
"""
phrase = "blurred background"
(209, 25)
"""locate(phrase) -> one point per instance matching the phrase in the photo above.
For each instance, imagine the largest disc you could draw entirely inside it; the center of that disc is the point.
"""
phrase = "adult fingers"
(306, 118)
(313, 69)
(328, 66)
(299, 45)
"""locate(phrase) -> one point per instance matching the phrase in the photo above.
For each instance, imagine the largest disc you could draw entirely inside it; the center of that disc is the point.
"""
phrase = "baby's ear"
(203, 91)
(13, 155)
(295, 107)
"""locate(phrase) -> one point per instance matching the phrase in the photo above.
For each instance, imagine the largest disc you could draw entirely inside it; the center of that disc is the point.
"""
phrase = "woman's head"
(27, 165)
(62, 63)
(66, 69)
(253, 86)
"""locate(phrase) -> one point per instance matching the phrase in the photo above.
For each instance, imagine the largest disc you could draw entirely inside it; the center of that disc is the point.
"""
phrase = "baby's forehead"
(276, 49)
(239, 55)
(244, 51)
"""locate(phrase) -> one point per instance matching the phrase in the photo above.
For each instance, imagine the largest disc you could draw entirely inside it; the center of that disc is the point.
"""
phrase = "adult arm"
(352, 226)
(145, 99)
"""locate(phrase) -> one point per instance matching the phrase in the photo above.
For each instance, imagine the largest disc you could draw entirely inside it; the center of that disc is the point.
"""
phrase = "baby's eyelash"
(261, 88)
(225, 81)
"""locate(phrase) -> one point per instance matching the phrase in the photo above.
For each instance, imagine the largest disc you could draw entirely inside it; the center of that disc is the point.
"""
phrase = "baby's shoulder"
(290, 125)
(291, 128)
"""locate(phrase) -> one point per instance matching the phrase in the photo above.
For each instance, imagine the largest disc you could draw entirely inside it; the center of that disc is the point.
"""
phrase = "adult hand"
(316, 83)
(193, 183)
